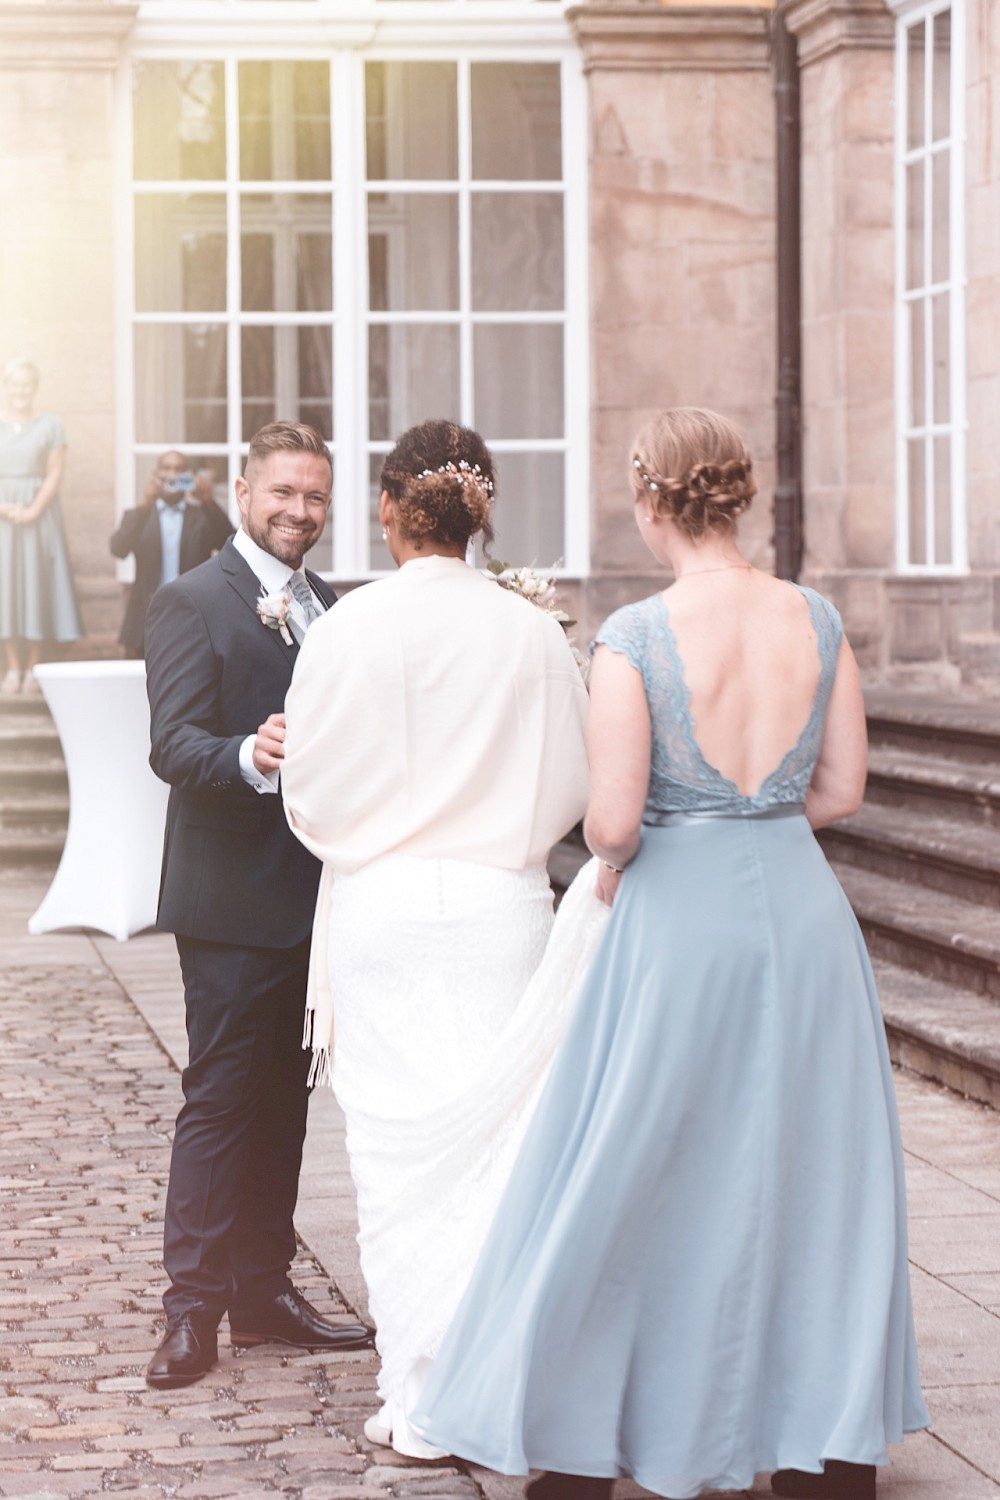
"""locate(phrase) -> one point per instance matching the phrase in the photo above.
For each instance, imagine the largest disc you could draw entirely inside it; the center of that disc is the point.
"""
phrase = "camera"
(178, 484)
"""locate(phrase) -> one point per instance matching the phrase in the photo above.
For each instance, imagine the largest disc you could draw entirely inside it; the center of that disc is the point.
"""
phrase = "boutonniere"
(272, 609)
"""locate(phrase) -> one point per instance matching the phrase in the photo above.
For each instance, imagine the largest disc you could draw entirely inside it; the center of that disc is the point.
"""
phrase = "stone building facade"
(572, 224)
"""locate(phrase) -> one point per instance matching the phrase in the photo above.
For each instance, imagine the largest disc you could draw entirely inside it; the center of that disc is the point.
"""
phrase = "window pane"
(528, 514)
(286, 252)
(915, 224)
(517, 252)
(412, 120)
(378, 552)
(180, 252)
(940, 231)
(519, 380)
(412, 376)
(516, 122)
(918, 372)
(942, 500)
(179, 119)
(942, 361)
(413, 251)
(915, 85)
(214, 464)
(285, 121)
(941, 107)
(916, 498)
(180, 383)
(287, 376)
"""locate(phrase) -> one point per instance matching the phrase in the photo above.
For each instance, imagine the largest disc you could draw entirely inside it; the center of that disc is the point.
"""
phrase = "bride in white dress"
(434, 754)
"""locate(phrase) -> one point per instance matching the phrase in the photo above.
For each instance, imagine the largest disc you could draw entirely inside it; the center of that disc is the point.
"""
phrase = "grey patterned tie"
(306, 599)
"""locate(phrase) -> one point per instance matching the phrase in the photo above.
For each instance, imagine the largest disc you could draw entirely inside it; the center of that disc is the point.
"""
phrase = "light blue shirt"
(171, 526)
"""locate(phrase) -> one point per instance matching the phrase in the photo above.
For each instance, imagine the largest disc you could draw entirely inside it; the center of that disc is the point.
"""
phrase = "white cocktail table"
(109, 874)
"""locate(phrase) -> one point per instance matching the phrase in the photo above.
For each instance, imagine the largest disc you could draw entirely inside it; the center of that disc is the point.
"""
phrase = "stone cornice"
(827, 26)
(647, 35)
(63, 34)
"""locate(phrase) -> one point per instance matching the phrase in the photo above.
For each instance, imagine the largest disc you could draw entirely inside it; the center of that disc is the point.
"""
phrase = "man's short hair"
(287, 437)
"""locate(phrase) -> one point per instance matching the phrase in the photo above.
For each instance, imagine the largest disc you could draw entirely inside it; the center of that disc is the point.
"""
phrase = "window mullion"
(350, 504)
(234, 288)
(467, 390)
(956, 291)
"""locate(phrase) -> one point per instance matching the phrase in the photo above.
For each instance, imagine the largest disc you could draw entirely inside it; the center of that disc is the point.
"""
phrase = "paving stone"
(84, 1152)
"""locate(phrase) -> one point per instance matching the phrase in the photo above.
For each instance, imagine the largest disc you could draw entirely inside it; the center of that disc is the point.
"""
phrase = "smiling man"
(238, 891)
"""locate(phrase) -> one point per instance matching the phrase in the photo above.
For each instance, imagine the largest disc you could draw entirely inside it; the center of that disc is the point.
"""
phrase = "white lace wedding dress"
(452, 989)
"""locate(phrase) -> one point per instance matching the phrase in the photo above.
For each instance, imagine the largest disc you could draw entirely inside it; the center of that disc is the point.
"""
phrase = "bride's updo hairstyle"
(693, 466)
(440, 477)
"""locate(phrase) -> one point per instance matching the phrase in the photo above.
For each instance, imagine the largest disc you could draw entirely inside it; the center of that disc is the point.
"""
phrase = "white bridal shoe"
(376, 1433)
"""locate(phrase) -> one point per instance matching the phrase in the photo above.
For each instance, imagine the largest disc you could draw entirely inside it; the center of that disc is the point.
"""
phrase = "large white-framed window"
(360, 233)
(930, 289)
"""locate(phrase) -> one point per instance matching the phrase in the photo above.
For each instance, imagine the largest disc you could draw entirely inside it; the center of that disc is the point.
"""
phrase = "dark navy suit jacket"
(203, 531)
(233, 872)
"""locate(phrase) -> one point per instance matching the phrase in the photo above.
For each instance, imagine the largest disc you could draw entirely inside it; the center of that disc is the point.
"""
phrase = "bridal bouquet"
(539, 589)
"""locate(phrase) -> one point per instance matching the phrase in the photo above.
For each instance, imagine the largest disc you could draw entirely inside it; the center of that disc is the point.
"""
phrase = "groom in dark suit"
(238, 891)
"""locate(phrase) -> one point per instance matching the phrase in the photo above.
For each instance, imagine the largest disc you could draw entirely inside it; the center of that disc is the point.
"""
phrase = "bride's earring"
(385, 535)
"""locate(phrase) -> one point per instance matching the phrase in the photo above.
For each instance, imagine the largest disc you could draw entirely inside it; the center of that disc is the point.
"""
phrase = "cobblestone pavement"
(90, 1037)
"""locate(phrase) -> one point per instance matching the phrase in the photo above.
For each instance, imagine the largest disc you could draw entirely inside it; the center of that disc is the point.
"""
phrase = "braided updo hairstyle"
(693, 466)
(440, 476)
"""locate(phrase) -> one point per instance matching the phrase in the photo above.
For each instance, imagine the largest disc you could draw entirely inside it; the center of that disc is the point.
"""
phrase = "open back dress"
(698, 1270)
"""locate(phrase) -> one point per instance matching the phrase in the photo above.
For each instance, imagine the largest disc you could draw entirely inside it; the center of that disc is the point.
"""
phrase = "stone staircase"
(920, 863)
(34, 797)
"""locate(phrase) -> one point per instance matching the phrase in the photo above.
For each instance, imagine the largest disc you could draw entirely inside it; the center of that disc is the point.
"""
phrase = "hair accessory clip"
(464, 472)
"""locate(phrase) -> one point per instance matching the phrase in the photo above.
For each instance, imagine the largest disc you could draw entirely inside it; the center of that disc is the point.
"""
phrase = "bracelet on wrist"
(615, 869)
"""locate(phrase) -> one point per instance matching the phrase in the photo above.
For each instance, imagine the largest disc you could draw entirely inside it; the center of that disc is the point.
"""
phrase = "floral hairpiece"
(464, 472)
(649, 483)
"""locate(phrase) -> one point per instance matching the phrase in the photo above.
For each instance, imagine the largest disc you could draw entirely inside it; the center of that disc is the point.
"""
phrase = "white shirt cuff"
(261, 781)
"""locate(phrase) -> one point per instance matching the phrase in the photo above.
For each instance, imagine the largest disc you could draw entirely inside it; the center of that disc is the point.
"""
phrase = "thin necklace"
(723, 568)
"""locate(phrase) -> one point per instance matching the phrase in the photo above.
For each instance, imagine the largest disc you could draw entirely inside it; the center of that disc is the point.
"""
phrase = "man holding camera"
(177, 526)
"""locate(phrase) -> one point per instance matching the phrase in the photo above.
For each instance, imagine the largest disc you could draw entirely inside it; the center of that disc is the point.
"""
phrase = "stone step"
(935, 784)
(40, 845)
(942, 1032)
(33, 809)
(942, 854)
(33, 772)
(565, 860)
(966, 729)
(939, 935)
(21, 740)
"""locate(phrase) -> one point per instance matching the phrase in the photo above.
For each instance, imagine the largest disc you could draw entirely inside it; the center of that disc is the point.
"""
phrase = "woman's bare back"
(751, 664)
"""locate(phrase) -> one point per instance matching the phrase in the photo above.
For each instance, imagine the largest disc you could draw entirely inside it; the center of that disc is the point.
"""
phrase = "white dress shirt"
(273, 576)
(171, 526)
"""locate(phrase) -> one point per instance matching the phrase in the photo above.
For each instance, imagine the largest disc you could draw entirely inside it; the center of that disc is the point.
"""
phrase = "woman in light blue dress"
(37, 595)
(698, 1271)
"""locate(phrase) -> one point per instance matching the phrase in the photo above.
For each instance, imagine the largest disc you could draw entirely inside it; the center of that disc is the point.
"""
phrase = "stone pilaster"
(681, 246)
(846, 60)
(57, 252)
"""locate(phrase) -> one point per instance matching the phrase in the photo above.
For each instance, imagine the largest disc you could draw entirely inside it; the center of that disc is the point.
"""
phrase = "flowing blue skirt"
(698, 1271)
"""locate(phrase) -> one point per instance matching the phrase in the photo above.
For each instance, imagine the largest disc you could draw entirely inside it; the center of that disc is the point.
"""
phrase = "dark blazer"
(204, 530)
(232, 870)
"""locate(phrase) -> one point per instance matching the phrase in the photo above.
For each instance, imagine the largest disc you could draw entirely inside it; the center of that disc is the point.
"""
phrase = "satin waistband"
(655, 819)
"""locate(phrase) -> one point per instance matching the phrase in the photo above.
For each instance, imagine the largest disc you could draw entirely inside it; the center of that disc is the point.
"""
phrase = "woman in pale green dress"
(37, 595)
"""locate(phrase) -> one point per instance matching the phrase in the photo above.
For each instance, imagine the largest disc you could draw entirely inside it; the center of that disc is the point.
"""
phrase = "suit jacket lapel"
(241, 577)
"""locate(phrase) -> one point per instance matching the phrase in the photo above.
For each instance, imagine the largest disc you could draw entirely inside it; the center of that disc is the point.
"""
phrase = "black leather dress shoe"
(187, 1351)
(838, 1481)
(293, 1321)
(555, 1486)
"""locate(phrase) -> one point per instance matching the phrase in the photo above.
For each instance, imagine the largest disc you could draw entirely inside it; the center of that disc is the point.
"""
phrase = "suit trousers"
(228, 1236)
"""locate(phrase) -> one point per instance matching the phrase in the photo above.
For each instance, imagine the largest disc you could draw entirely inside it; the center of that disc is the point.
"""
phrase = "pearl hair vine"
(464, 472)
(649, 483)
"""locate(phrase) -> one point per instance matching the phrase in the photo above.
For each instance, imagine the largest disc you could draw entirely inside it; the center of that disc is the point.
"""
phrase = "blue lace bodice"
(681, 779)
